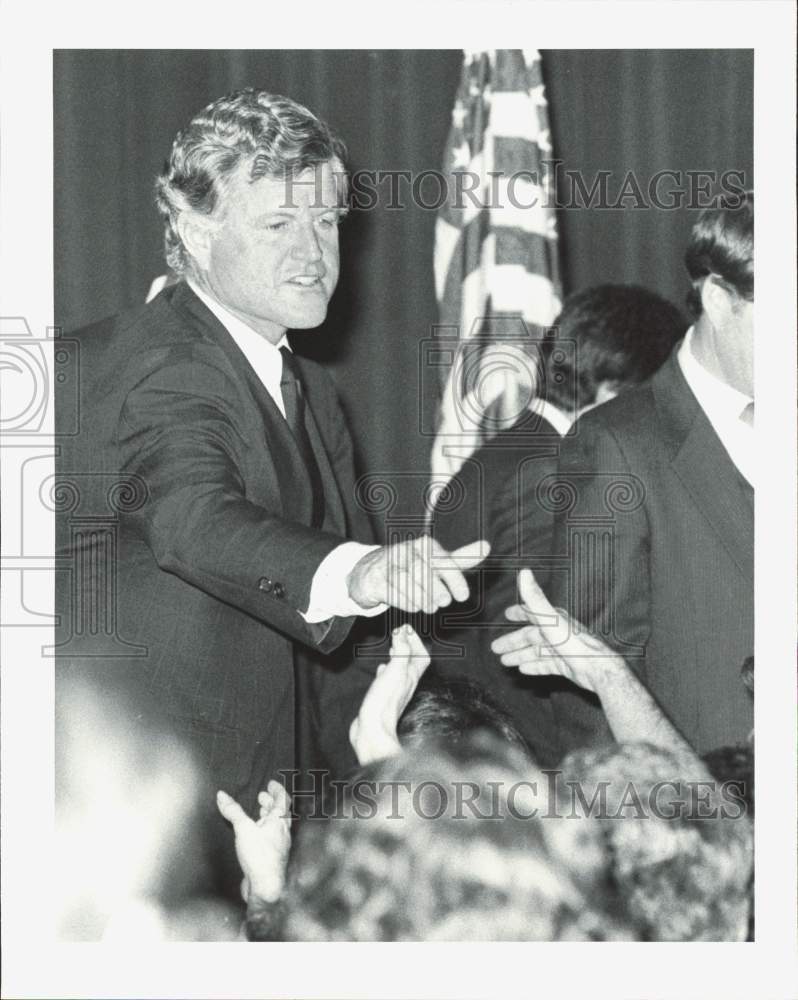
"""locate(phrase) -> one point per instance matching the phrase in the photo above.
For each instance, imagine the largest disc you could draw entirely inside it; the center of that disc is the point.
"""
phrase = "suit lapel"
(704, 467)
(284, 465)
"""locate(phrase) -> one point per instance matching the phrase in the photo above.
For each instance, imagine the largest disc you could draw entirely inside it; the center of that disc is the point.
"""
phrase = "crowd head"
(443, 855)
(667, 848)
(450, 709)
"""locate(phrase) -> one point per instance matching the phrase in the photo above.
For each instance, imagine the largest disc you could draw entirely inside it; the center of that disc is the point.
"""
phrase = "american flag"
(496, 256)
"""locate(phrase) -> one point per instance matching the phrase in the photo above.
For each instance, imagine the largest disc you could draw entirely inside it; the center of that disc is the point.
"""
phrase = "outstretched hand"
(551, 642)
(416, 575)
(262, 845)
(373, 733)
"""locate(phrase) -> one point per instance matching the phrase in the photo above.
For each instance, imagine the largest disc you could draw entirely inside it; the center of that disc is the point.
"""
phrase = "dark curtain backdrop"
(116, 113)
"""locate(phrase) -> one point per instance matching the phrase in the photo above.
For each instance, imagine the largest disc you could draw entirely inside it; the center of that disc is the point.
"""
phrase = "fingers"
(529, 657)
(417, 649)
(517, 613)
(282, 800)
(528, 650)
(450, 567)
(400, 642)
(419, 575)
(529, 662)
(452, 581)
(531, 593)
(230, 809)
(513, 641)
(409, 660)
(471, 555)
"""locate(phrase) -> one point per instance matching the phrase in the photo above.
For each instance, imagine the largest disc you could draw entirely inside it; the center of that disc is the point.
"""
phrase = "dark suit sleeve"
(601, 535)
(197, 520)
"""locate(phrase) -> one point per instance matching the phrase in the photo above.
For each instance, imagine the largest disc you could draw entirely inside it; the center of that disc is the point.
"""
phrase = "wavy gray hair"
(277, 136)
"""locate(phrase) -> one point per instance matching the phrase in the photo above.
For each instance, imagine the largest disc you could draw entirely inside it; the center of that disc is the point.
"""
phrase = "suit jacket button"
(265, 584)
(279, 590)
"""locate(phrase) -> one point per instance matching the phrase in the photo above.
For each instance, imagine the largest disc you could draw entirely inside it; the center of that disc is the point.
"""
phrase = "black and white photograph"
(391, 551)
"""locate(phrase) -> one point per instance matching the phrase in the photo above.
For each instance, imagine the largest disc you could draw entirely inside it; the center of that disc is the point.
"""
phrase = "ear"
(196, 232)
(716, 300)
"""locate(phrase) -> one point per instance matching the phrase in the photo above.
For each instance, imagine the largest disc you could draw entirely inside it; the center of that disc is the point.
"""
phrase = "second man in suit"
(659, 531)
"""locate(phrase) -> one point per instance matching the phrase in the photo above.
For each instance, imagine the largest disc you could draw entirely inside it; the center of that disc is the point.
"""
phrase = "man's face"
(273, 261)
(744, 329)
(736, 344)
(731, 333)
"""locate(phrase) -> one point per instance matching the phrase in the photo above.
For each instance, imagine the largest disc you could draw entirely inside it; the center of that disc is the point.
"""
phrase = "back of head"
(622, 334)
(449, 709)
(722, 244)
(672, 852)
(265, 134)
(733, 768)
(440, 849)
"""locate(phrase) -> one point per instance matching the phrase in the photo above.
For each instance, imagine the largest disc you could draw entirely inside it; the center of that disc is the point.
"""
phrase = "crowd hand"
(551, 642)
(373, 733)
(417, 575)
(262, 845)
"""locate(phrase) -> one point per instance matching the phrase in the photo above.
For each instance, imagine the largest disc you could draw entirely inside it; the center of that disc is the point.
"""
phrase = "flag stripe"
(496, 249)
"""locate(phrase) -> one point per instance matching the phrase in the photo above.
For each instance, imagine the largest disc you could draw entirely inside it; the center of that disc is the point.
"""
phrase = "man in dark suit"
(228, 546)
(658, 533)
(606, 340)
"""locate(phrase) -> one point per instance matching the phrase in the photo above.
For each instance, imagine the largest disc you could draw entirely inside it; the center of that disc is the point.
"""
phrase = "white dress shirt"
(724, 407)
(328, 591)
(559, 419)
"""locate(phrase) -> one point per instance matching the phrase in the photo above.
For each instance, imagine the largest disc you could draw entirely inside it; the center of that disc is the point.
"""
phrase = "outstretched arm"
(551, 642)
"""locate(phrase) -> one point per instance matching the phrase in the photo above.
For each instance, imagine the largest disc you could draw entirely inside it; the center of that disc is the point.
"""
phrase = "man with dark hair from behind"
(606, 340)
(658, 533)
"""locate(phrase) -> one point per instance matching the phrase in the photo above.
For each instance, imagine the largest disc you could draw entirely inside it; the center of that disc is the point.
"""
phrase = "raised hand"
(373, 733)
(262, 845)
(552, 642)
(417, 575)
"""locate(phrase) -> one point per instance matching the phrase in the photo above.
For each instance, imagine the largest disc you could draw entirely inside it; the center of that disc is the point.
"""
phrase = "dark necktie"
(294, 403)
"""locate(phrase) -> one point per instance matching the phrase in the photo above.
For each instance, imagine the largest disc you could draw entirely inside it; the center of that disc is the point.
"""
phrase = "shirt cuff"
(329, 596)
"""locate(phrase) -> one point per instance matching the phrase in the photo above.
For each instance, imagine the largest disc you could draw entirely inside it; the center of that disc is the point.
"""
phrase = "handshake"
(417, 575)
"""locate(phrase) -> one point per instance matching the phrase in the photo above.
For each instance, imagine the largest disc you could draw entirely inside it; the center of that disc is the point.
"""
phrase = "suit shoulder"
(624, 430)
(152, 325)
(122, 351)
(628, 415)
